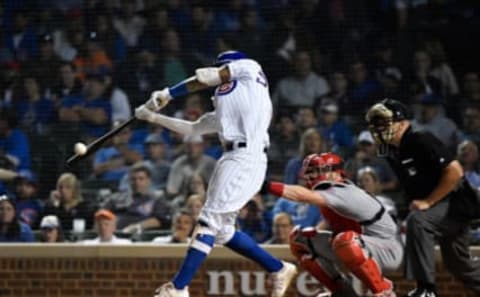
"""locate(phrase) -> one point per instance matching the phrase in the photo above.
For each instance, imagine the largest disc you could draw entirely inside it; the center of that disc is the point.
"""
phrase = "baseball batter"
(243, 111)
(363, 237)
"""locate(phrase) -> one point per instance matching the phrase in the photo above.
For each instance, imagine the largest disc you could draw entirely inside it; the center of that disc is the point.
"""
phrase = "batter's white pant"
(237, 177)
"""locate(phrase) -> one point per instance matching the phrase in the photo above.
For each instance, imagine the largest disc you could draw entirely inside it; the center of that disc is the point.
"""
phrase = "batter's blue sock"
(196, 254)
(247, 247)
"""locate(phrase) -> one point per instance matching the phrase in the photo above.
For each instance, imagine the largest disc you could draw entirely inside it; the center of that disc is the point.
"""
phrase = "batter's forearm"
(187, 86)
(177, 125)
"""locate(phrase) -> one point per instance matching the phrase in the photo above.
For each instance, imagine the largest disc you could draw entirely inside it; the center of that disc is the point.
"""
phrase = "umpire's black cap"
(399, 110)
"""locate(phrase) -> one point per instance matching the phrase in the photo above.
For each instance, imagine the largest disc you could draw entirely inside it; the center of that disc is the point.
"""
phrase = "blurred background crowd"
(72, 70)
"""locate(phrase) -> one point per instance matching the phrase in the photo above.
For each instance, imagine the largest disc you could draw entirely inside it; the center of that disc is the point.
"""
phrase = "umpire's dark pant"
(452, 234)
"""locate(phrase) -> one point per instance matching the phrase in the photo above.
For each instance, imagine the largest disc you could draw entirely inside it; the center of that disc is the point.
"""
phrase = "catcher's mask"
(317, 168)
(381, 117)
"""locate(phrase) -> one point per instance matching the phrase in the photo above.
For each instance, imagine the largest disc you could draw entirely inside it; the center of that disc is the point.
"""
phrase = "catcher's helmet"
(229, 56)
(316, 168)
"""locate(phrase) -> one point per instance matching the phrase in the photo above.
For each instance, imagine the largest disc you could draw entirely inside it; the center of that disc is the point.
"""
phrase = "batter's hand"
(420, 205)
(144, 113)
(158, 99)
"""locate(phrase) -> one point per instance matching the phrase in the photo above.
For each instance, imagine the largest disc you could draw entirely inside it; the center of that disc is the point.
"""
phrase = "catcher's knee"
(298, 244)
(349, 248)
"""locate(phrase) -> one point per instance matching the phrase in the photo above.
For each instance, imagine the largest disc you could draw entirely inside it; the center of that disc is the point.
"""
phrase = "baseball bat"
(97, 143)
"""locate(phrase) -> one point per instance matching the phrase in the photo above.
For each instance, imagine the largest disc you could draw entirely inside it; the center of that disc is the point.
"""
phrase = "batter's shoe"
(282, 279)
(168, 290)
(421, 293)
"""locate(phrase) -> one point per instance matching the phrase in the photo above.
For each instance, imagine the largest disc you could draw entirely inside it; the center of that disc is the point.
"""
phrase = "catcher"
(363, 238)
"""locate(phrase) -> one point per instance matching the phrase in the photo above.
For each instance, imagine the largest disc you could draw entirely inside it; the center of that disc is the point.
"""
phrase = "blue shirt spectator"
(11, 229)
(14, 145)
(91, 110)
(303, 214)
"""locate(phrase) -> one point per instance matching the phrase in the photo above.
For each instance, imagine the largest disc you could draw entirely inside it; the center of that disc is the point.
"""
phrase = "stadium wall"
(136, 270)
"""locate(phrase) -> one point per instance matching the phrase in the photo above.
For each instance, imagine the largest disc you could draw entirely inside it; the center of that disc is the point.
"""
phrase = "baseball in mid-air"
(80, 148)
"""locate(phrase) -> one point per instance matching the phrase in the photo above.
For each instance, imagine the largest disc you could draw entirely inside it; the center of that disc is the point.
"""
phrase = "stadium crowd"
(72, 70)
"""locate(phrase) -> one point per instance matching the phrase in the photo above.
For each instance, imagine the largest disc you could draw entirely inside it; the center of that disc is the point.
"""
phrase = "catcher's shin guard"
(302, 248)
(349, 248)
(314, 268)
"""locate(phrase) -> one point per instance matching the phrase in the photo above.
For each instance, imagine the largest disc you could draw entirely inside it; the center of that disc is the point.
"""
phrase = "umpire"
(442, 203)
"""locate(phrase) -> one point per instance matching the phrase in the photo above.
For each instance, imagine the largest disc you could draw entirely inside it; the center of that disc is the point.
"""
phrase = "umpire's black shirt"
(419, 161)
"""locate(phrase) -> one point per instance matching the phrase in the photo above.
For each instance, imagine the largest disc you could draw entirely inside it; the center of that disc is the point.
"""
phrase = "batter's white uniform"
(242, 115)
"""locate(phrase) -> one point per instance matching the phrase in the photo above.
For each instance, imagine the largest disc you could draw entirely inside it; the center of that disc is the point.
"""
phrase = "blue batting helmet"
(229, 56)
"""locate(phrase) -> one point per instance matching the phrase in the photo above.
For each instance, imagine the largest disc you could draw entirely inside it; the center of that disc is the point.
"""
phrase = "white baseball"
(80, 148)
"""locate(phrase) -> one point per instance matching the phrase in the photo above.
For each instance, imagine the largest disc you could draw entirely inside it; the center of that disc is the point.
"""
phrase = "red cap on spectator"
(104, 214)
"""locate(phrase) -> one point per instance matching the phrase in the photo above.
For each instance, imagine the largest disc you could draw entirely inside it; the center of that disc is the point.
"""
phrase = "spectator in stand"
(253, 220)
(391, 81)
(200, 34)
(11, 228)
(367, 179)
(45, 66)
(111, 163)
(139, 75)
(432, 119)
(70, 39)
(121, 110)
(157, 24)
(67, 203)
(311, 142)
(284, 142)
(467, 155)
(139, 209)
(366, 155)
(175, 65)
(421, 80)
(471, 122)
(128, 23)
(251, 36)
(363, 89)
(68, 85)
(105, 225)
(338, 83)
(470, 95)
(306, 118)
(282, 226)
(302, 87)
(334, 131)
(29, 207)
(441, 70)
(52, 231)
(21, 38)
(92, 58)
(303, 214)
(157, 156)
(194, 204)
(182, 227)
(183, 168)
(35, 113)
(14, 145)
(111, 41)
(91, 110)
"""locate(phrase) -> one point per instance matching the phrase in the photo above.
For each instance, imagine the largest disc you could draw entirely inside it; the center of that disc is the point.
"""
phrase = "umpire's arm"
(449, 180)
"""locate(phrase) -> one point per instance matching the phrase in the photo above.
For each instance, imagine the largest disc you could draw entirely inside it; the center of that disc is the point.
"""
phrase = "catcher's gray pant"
(423, 227)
